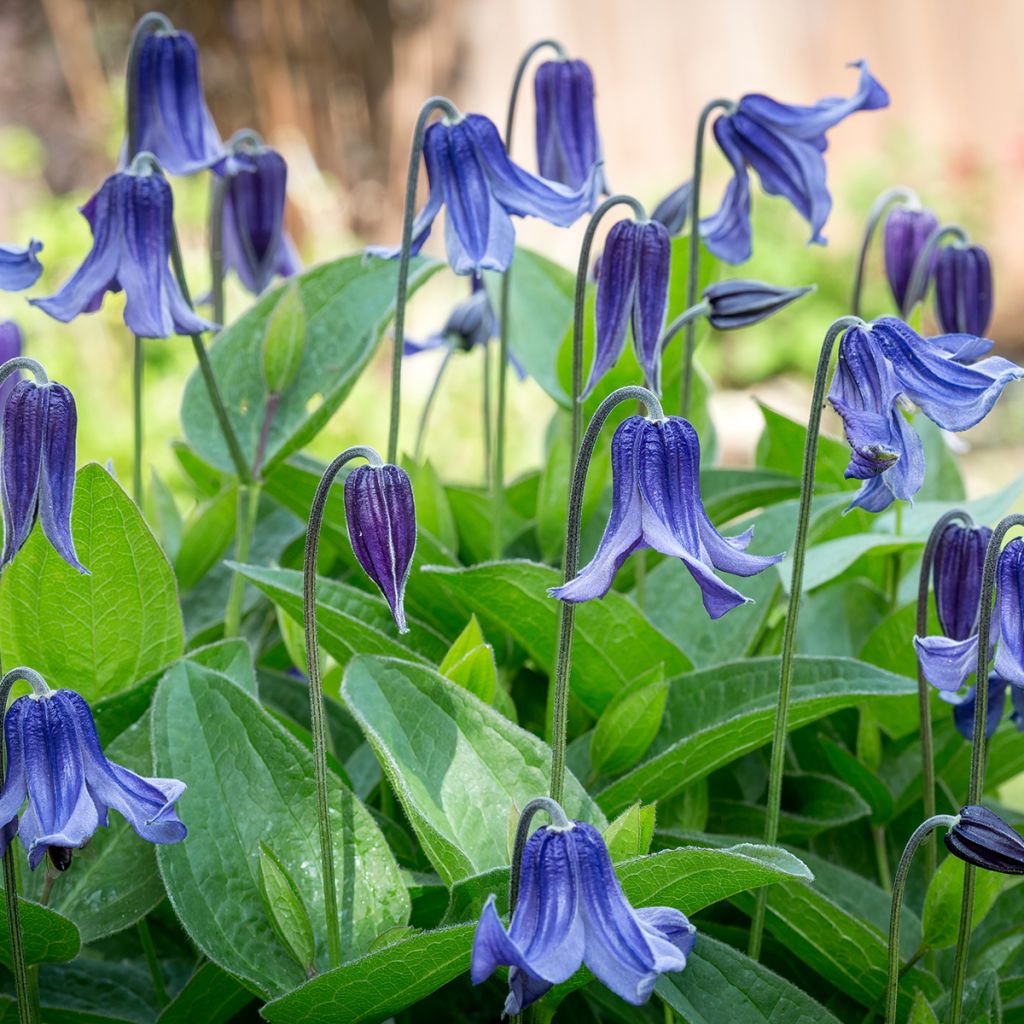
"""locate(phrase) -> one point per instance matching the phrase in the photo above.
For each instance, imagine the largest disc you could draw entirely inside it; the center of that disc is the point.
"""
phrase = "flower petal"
(726, 233)
(1009, 661)
(22, 458)
(57, 487)
(19, 266)
(616, 291)
(946, 663)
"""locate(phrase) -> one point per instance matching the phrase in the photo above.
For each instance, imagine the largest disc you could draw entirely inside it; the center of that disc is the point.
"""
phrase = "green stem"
(248, 509)
(152, 22)
(220, 189)
(693, 270)
(899, 194)
(899, 885)
(978, 745)
(563, 665)
(421, 432)
(778, 754)
(149, 951)
(917, 287)
(882, 857)
(317, 725)
(137, 375)
(435, 103)
(486, 413)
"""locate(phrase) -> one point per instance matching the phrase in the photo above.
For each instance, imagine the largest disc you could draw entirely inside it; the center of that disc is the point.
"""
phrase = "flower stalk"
(899, 194)
(918, 285)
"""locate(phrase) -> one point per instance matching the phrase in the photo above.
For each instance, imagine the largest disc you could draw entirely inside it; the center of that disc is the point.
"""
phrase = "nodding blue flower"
(632, 288)
(965, 708)
(572, 911)
(131, 222)
(907, 228)
(37, 470)
(963, 289)
(674, 209)
(739, 303)
(10, 348)
(381, 516)
(656, 503)
(471, 175)
(171, 118)
(785, 144)
(19, 266)
(568, 144)
(54, 757)
(883, 365)
(256, 244)
(980, 837)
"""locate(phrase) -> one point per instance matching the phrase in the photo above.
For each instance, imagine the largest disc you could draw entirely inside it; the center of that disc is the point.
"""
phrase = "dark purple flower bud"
(10, 346)
(674, 209)
(381, 518)
(964, 708)
(632, 289)
(19, 266)
(38, 468)
(256, 245)
(963, 289)
(983, 839)
(656, 503)
(906, 230)
(131, 219)
(956, 576)
(59, 857)
(572, 910)
(568, 145)
(171, 118)
(54, 758)
(470, 174)
(740, 303)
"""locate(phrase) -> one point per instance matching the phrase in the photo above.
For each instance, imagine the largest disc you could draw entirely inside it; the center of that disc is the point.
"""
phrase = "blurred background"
(336, 85)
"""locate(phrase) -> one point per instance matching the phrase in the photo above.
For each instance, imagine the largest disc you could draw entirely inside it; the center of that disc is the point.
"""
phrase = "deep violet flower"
(10, 347)
(54, 757)
(673, 210)
(739, 303)
(656, 503)
(381, 519)
(471, 323)
(572, 911)
(131, 222)
(980, 837)
(471, 175)
(963, 289)
(906, 230)
(956, 577)
(19, 266)
(38, 468)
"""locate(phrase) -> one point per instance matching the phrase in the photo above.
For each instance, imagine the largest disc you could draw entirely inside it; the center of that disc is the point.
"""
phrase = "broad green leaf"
(208, 480)
(168, 517)
(630, 834)
(470, 663)
(729, 492)
(250, 781)
(719, 714)
(210, 995)
(921, 1012)
(836, 619)
(284, 338)
(97, 634)
(433, 510)
(284, 908)
(458, 766)
(474, 521)
(348, 303)
(48, 937)
(208, 534)
(781, 448)
(863, 779)
(613, 643)
(941, 917)
(721, 985)
(629, 723)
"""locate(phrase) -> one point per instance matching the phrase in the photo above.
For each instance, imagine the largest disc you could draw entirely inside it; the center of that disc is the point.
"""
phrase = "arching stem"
(899, 194)
(917, 288)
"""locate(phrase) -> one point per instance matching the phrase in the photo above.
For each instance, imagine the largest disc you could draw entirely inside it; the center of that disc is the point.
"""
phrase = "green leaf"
(721, 984)
(781, 448)
(629, 723)
(458, 766)
(207, 536)
(728, 492)
(96, 634)
(250, 781)
(168, 518)
(630, 834)
(348, 303)
(48, 937)
(210, 995)
(941, 917)
(283, 339)
(284, 908)
(865, 781)
(91, 991)
(717, 715)
(921, 1012)
(613, 644)
(433, 510)
(470, 663)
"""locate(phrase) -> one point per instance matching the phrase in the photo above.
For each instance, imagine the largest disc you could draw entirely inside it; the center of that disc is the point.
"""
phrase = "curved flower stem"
(978, 744)
(579, 303)
(693, 270)
(23, 363)
(917, 287)
(563, 665)
(922, 832)
(684, 320)
(449, 110)
(485, 411)
(558, 820)
(923, 686)
(421, 432)
(899, 194)
(138, 366)
(316, 689)
(803, 521)
(149, 951)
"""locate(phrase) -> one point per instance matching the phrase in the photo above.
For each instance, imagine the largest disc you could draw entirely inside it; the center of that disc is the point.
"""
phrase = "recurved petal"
(19, 266)
(873, 496)
(1009, 661)
(726, 233)
(22, 456)
(57, 479)
(616, 292)
(964, 348)
(946, 663)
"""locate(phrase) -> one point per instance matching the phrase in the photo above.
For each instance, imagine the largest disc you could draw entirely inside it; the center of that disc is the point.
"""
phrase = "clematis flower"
(572, 911)
(131, 221)
(54, 757)
(632, 288)
(568, 144)
(956, 577)
(19, 266)
(963, 289)
(740, 303)
(171, 118)
(965, 708)
(674, 209)
(10, 347)
(256, 244)
(656, 503)
(37, 472)
(381, 516)
(785, 144)
(471, 175)
(980, 837)
(907, 228)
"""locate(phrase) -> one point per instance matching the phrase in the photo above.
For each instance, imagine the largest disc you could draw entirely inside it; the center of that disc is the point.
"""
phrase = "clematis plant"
(19, 266)
(963, 289)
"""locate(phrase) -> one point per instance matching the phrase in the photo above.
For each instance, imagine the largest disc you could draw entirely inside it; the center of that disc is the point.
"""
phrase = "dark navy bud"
(59, 857)
(906, 230)
(963, 289)
(983, 839)
(472, 322)
(568, 145)
(381, 518)
(956, 575)
(741, 303)
(674, 209)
